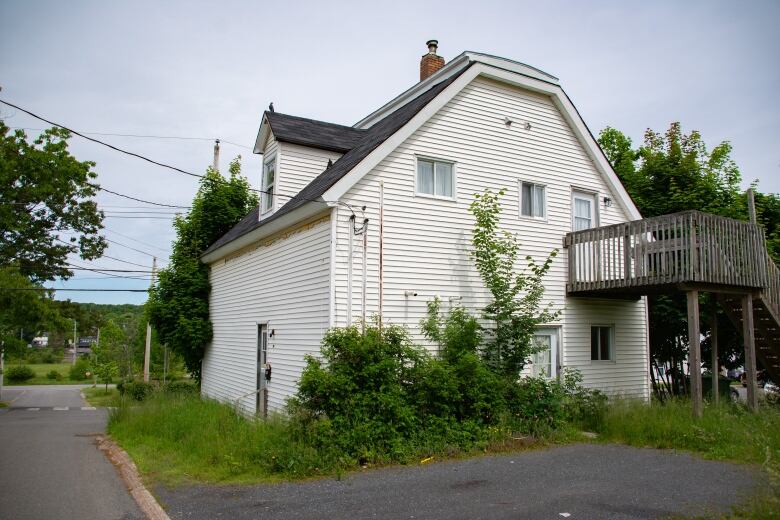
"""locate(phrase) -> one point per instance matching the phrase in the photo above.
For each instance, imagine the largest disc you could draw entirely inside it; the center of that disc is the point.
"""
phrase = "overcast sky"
(209, 69)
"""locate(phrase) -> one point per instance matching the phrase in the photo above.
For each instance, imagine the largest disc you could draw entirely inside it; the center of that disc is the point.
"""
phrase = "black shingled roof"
(309, 132)
(370, 140)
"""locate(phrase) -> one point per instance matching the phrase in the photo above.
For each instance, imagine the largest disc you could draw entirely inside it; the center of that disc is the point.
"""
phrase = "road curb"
(132, 479)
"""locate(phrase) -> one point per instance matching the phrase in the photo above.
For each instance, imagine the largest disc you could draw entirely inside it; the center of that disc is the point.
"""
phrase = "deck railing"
(772, 290)
(682, 247)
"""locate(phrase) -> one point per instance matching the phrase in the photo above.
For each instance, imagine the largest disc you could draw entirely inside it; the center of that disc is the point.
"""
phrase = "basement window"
(268, 184)
(435, 178)
(601, 339)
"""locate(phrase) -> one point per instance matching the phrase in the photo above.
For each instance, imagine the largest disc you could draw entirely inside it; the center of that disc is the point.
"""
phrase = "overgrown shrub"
(19, 373)
(44, 356)
(54, 375)
(78, 371)
(138, 390)
(181, 388)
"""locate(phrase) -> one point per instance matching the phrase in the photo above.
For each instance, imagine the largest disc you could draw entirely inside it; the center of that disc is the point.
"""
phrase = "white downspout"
(350, 260)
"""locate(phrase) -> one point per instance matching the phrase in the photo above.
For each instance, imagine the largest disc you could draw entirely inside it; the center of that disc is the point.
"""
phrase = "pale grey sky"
(209, 69)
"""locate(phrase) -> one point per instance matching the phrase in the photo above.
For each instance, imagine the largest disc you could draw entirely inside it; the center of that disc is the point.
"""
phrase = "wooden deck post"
(714, 344)
(694, 355)
(750, 351)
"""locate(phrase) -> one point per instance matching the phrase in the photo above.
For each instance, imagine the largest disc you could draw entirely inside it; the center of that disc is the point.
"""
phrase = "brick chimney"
(430, 62)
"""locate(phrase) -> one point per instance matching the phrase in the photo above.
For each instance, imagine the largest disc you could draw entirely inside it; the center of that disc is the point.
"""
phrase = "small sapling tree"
(516, 307)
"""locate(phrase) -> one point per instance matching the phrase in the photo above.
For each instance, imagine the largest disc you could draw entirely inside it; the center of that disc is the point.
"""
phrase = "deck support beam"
(694, 356)
(714, 344)
(748, 335)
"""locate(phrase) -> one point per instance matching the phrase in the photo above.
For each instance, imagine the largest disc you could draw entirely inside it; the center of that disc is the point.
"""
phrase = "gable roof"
(309, 132)
(370, 139)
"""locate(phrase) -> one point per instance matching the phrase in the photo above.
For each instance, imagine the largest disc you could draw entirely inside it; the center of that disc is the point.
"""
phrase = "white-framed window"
(435, 178)
(533, 200)
(583, 210)
(544, 363)
(602, 339)
(268, 185)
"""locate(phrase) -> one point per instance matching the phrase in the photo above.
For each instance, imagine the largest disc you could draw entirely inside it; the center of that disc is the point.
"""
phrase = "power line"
(187, 138)
(142, 200)
(111, 270)
(136, 240)
(55, 289)
(129, 216)
(128, 247)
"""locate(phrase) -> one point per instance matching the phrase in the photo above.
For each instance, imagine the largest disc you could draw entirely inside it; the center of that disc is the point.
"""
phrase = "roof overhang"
(262, 135)
(276, 225)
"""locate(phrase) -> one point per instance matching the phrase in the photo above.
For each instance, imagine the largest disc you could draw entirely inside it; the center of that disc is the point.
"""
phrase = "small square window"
(601, 344)
(533, 201)
(269, 181)
(435, 178)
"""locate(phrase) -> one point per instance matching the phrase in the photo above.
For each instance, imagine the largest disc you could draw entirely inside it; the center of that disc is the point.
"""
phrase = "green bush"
(54, 375)
(138, 390)
(19, 373)
(181, 388)
(78, 371)
(44, 356)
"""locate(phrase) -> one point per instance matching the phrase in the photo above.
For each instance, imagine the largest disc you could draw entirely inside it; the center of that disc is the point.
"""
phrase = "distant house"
(41, 341)
(373, 218)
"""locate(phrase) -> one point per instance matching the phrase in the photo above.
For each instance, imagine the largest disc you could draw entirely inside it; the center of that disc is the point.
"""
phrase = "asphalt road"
(50, 467)
(577, 482)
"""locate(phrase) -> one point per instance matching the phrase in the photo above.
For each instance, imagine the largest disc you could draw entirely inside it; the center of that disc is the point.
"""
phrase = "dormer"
(295, 151)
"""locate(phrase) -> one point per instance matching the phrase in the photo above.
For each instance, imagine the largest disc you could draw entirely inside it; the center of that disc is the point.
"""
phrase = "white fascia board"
(440, 75)
(262, 136)
(307, 210)
(511, 66)
(543, 86)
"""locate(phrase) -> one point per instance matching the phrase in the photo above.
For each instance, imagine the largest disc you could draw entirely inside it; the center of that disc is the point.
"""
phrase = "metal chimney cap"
(432, 46)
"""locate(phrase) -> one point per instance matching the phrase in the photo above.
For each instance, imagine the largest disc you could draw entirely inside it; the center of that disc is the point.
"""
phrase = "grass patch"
(100, 397)
(726, 432)
(42, 369)
(3, 404)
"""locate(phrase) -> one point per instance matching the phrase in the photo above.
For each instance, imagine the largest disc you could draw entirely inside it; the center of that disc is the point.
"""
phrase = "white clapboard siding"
(284, 282)
(426, 240)
(298, 166)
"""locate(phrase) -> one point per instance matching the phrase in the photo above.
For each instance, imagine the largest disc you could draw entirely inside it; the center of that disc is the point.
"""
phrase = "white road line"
(88, 408)
(61, 408)
(33, 409)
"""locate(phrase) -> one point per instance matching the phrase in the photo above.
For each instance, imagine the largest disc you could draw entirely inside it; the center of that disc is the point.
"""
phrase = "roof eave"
(266, 229)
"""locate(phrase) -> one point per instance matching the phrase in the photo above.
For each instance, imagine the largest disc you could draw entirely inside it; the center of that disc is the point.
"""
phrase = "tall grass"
(178, 438)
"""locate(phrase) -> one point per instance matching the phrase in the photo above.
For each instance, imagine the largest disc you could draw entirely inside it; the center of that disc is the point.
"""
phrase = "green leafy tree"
(178, 304)
(44, 192)
(515, 310)
(23, 306)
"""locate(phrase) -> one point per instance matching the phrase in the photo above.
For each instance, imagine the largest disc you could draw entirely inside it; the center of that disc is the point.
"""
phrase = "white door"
(545, 362)
(584, 217)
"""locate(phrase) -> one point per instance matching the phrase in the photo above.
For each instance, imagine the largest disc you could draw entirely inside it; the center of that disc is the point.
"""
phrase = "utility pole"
(148, 350)
(216, 154)
(75, 342)
(2, 367)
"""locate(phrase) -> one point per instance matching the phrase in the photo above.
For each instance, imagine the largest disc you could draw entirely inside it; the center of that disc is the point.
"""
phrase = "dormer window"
(268, 184)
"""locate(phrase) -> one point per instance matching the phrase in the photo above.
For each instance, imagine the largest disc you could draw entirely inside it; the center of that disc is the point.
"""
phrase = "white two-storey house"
(373, 219)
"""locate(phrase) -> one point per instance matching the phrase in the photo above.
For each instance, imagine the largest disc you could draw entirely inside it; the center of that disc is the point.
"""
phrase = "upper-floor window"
(601, 348)
(533, 202)
(268, 184)
(435, 178)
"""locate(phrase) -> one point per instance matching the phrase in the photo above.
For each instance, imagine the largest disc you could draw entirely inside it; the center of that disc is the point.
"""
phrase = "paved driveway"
(577, 482)
(49, 465)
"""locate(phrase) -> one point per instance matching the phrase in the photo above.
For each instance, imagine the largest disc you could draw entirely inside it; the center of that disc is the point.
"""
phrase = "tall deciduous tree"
(179, 303)
(45, 191)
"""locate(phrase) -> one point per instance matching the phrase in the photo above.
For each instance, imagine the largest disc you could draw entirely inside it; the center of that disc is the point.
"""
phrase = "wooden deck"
(667, 253)
(689, 251)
